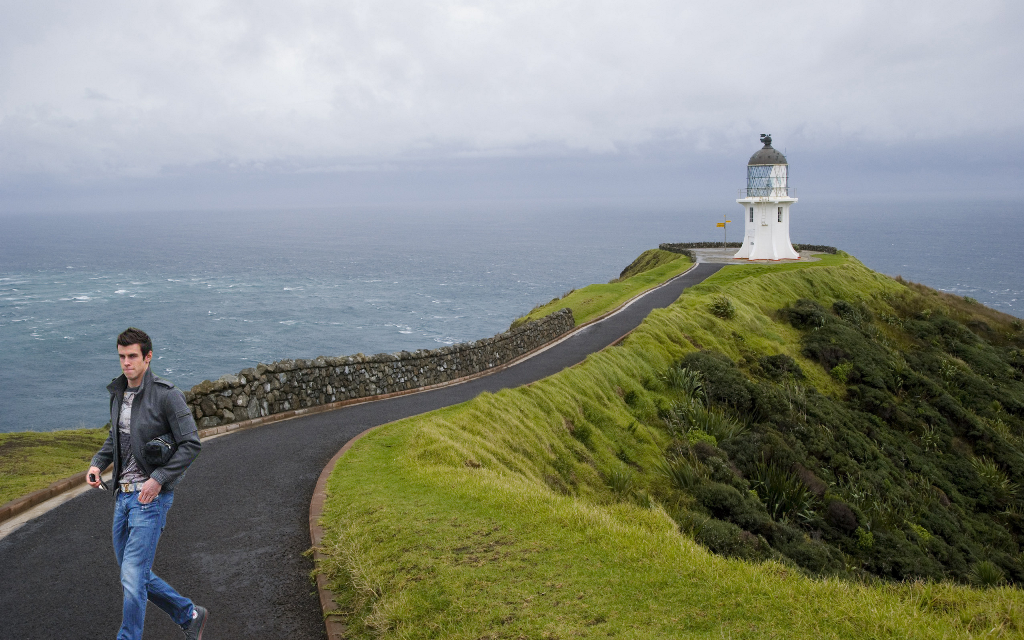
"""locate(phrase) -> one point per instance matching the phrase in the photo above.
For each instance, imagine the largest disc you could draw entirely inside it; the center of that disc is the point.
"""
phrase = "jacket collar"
(120, 383)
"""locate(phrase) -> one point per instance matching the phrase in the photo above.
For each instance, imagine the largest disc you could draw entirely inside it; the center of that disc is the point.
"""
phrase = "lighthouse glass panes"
(767, 180)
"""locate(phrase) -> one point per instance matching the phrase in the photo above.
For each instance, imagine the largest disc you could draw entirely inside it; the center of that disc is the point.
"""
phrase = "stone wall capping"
(283, 387)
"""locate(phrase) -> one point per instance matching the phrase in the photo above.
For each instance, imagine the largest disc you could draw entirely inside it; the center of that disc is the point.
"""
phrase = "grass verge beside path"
(31, 460)
(652, 268)
(508, 516)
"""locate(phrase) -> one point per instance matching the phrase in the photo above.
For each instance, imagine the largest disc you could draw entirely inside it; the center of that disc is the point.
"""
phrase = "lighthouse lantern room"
(765, 203)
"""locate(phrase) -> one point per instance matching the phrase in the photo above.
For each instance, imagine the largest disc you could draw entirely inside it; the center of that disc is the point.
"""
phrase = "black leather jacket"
(159, 409)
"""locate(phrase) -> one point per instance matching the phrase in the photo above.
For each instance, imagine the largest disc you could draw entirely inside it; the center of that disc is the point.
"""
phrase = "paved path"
(235, 537)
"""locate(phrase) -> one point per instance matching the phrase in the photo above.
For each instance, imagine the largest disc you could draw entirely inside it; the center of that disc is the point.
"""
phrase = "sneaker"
(194, 629)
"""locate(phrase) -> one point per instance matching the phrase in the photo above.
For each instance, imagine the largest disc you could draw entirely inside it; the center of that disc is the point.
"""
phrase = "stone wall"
(686, 248)
(297, 384)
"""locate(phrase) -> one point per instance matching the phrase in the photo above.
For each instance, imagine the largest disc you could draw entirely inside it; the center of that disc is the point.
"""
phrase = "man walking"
(153, 440)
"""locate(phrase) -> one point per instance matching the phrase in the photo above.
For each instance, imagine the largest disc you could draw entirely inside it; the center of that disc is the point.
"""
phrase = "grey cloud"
(91, 89)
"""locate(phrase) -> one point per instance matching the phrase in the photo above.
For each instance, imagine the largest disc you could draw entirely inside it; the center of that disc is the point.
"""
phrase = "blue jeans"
(137, 529)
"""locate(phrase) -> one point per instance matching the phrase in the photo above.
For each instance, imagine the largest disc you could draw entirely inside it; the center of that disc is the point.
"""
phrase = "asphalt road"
(239, 526)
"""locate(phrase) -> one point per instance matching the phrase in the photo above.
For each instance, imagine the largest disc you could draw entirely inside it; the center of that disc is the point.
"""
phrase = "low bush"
(987, 574)
(722, 307)
(724, 383)
(727, 539)
(780, 367)
(784, 495)
(683, 473)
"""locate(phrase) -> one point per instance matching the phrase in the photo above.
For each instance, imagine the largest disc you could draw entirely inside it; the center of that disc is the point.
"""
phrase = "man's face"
(132, 363)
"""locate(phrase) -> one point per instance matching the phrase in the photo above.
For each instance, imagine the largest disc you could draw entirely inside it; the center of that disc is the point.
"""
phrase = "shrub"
(811, 555)
(841, 372)
(696, 436)
(930, 439)
(621, 482)
(780, 366)
(783, 494)
(986, 574)
(922, 534)
(728, 503)
(841, 516)
(995, 479)
(722, 307)
(813, 482)
(727, 539)
(865, 539)
(838, 342)
(850, 313)
(724, 383)
(713, 423)
(683, 473)
(688, 381)
(805, 314)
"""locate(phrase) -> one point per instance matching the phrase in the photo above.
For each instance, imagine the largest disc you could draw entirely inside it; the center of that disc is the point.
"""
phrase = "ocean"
(221, 291)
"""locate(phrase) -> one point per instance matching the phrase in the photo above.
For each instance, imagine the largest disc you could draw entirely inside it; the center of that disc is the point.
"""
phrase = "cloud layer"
(93, 89)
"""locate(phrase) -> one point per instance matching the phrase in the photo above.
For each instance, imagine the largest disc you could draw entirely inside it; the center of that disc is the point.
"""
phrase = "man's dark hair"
(131, 336)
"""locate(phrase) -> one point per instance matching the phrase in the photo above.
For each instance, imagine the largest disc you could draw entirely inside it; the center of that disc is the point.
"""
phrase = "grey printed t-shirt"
(130, 470)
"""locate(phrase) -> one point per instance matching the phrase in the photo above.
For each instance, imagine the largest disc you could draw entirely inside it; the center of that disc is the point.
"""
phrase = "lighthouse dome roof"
(767, 154)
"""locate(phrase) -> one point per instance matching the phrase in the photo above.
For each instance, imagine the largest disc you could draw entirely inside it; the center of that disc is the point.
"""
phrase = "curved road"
(235, 537)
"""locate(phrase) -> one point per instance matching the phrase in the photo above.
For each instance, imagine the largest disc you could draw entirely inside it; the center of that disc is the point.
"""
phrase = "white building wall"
(765, 236)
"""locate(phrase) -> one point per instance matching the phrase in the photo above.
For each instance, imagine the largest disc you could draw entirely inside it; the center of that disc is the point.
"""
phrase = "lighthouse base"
(766, 232)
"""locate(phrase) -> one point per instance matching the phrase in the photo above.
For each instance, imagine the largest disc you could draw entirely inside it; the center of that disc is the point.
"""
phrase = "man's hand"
(149, 491)
(92, 477)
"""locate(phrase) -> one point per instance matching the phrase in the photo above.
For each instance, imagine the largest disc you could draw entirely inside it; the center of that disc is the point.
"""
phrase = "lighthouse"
(765, 203)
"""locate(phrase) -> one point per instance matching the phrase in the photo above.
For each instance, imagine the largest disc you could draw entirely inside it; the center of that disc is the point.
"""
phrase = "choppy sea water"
(219, 292)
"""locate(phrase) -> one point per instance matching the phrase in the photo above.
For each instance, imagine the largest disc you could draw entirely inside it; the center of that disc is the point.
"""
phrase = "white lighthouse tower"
(765, 205)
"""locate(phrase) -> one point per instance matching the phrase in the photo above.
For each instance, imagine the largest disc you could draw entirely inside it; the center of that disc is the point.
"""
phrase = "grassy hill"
(797, 451)
(650, 269)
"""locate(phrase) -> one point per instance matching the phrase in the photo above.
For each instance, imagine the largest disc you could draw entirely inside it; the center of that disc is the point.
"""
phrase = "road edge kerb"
(22, 504)
(26, 502)
(335, 628)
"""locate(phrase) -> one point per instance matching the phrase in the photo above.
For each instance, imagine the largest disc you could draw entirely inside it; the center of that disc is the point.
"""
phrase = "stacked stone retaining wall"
(686, 248)
(297, 384)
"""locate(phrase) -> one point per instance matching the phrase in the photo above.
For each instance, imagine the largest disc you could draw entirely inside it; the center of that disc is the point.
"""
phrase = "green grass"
(649, 270)
(30, 460)
(496, 519)
(734, 273)
(650, 259)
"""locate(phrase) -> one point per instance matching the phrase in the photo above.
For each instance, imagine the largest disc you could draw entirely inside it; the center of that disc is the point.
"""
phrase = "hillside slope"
(758, 460)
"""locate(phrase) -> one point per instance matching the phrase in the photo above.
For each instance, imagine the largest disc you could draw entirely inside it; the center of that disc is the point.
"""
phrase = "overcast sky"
(235, 104)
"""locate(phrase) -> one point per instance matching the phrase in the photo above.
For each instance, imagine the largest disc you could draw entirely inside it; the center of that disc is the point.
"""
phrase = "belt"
(130, 487)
